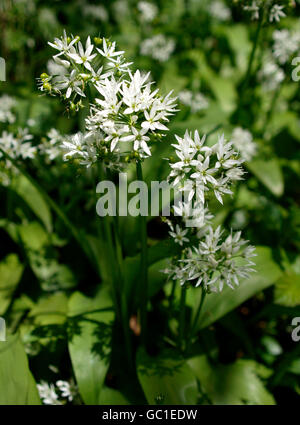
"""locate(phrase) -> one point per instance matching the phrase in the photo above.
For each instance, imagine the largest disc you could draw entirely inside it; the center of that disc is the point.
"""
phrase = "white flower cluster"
(125, 110)
(97, 12)
(51, 146)
(286, 43)
(270, 75)
(196, 101)
(274, 12)
(148, 11)
(216, 261)
(219, 10)
(51, 394)
(243, 141)
(83, 66)
(202, 169)
(159, 47)
(17, 147)
(7, 103)
(213, 260)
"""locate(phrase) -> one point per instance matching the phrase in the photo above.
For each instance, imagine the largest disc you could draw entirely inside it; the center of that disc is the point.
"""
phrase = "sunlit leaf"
(166, 379)
(90, 334)
(237, 383)
(10, 274)
(17, 385)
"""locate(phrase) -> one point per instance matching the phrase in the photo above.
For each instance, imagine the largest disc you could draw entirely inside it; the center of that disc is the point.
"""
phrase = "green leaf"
(41, 255)
(51, 309)
(238, 38)
(222, 88)
(237, 383)
(108, 396)
(166, 379)
(17, 385)
(90, 336)
(217, 305)
(269, 173)
(25, 189)
(287, 290)
(10, 274)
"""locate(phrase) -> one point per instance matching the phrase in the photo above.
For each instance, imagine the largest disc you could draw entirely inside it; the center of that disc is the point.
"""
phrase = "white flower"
(219, 10)
(68, 390)
(286, 43)
(74, 146)
(69, 83)
(95, 11)
(158, 47)
(179, 235)
(243, 141)
(147, 10)
(109, 49)
(196, 101)
(84, 56)
(212, 263)
(19, 146)
(270, 75)
(51, 147)
(63, 44)
(202, 168)
(48, 394)
(276, 13)
(139, 139)
(153, 120)
(253, 9)
(7, 104)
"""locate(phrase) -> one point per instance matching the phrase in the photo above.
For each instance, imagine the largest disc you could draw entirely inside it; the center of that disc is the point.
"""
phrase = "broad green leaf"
(24, 188)
(269, 173)
(10, 274)
(237, 383)
(166, 379)
(41, 255)
(109, 396)
(90, 334)
(217, 305)
(238, 37)
(222, 88)
(50, 309)
(287, 290)
(17, 385)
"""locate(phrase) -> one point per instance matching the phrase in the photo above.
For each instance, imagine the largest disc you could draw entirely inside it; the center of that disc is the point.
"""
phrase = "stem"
(182, 316)
(116, 259)
(196, 319)
(144, 265)
(250, 62)
(197, 316)
(272, 107)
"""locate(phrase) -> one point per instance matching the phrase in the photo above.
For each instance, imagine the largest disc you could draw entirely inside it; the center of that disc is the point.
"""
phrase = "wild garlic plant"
(126, 117)
(270, 10)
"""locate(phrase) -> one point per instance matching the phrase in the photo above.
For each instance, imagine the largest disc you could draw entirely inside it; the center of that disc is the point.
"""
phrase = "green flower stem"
(144, 265)
(198, 312)
(116, 260)
(182, 317)
(272, 107)
(196, 318)
(250, 61)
